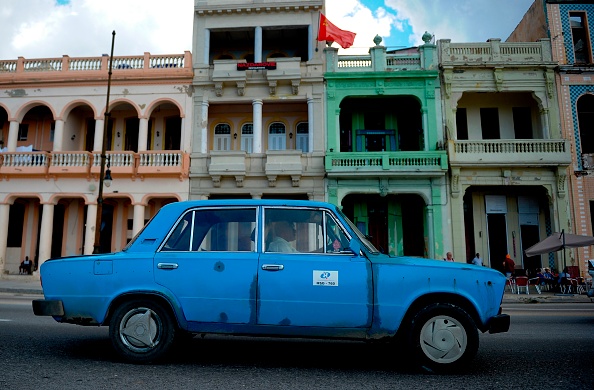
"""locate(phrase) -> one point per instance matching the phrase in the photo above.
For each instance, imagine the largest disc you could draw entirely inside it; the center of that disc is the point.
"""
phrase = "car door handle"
(273, 267)
(167, 265)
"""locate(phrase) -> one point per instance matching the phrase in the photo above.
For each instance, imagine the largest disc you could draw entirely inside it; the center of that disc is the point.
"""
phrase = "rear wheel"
(443, 338)
(141, 331)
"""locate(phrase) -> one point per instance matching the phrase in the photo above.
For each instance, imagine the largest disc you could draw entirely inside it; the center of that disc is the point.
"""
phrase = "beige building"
(258, 100)
(507, 155)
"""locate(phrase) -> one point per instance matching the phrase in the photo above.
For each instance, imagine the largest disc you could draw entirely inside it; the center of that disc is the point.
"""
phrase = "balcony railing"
(495, 51)
(67, 68)
(386, 163)
(522, 152)
(147, 163)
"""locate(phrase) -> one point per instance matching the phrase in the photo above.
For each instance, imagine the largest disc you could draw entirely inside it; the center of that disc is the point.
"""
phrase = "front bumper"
(499, 323)
(46, 307)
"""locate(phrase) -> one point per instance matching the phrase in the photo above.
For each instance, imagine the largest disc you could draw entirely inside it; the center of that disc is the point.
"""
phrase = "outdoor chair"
(522, 284)
(581, 285)
(536, 283)
(568, 285)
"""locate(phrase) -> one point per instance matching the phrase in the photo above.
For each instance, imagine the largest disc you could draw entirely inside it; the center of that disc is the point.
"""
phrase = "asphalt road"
(549, 346)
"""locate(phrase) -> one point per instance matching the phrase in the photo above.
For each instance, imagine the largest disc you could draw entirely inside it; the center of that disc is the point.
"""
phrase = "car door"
(210, 264)
(317, 283)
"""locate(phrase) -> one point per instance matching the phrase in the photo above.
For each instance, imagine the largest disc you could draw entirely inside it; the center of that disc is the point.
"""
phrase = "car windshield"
(361, 236)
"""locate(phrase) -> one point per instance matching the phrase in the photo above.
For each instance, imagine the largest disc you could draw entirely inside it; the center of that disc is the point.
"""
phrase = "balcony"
(355, 164)
(70, 69)
(494, 51)
(378, 60)
(274, 164)
(519, 152)
(287, 72)
(173, 163)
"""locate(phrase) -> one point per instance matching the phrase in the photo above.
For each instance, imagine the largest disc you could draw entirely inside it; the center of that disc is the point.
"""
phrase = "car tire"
(443, 338)
(141, 331)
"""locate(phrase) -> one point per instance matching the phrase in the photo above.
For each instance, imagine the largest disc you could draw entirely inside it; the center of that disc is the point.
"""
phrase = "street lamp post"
(107, 179)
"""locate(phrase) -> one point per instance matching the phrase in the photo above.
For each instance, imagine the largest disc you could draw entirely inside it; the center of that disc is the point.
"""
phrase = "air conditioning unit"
(588, 161)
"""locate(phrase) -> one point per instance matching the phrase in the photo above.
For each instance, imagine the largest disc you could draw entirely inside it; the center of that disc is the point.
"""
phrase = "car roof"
(183, 205)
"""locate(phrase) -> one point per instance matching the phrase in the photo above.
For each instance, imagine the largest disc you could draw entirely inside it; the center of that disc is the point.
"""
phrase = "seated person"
(25, 267)
(564, 275)
(284, 232)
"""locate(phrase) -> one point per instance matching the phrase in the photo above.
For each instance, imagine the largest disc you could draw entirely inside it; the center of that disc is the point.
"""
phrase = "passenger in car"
(284, 232)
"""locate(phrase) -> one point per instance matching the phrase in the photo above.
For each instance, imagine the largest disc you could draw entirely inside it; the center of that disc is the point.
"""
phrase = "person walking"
(509, 266)
(477, 260)
(449, 257)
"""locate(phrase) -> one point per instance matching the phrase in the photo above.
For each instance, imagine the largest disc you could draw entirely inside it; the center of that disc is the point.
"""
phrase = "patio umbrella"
(557, 241)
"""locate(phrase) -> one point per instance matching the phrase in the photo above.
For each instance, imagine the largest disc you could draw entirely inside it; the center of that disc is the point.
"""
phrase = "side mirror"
(355, 246)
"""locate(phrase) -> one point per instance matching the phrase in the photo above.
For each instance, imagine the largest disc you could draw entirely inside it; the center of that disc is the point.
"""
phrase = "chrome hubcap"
(443, 339)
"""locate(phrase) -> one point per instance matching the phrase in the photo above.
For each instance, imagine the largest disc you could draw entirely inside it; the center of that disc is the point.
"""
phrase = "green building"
(385, 161)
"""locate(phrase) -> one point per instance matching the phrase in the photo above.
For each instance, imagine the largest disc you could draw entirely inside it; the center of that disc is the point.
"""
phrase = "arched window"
(302, 140)
(277, 139)
(222, 137)
(247, 137)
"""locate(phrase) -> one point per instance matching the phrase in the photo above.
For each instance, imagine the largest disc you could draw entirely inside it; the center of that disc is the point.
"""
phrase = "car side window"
(214, 230)
(336, 239)
(302, 231)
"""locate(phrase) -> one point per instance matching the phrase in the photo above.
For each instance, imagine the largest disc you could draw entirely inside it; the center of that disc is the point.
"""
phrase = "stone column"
(13, 135)
(310, 124)
(258, 44)
(138, 222)
(430, 233)
(257, 119)
(59, 136)
(206, 43)
(98, 140)
(142, 134)
(45, 235)
(4, 213)
(204, 127)
(457, 227)
(90, 228)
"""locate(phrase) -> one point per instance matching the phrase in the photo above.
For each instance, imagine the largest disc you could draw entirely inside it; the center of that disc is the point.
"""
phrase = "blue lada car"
(276, 268)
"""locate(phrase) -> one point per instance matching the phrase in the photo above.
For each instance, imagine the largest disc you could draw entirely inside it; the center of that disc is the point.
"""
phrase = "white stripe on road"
(2, 320)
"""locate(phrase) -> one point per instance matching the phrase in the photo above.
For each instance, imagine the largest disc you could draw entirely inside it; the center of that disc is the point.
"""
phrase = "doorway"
(497, 228)
(529, 237)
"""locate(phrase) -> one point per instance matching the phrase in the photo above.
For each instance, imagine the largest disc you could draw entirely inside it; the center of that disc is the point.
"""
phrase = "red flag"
(329, 32)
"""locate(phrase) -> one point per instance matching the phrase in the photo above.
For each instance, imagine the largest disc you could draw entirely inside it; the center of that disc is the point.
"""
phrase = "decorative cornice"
(267, 8)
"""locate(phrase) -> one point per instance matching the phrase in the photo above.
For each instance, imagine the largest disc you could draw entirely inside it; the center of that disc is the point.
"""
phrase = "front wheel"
(141, 331)
(443, 338)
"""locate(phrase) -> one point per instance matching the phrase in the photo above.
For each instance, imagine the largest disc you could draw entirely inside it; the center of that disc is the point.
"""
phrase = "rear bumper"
(45, 307)
(499, 323)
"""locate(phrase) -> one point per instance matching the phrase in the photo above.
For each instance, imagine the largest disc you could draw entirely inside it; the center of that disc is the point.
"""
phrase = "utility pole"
(97, 244)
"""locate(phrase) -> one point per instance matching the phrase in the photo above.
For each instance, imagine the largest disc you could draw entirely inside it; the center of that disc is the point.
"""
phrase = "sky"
(81, 28)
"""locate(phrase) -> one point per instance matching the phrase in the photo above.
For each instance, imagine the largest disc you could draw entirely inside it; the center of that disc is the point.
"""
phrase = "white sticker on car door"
(325, 278)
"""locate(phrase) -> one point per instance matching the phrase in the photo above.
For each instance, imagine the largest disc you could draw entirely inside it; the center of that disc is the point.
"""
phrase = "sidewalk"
(20, 284)
(29, 284)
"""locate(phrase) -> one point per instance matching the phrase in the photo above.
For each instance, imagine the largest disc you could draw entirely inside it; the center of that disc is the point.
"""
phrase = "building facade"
(568, 25)
(507, 154)
(385, 160)
(53, 124)
(257, 100)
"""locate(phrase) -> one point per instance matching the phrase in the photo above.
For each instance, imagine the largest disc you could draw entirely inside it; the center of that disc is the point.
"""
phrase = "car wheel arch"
(158, 298)
(441, 298)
